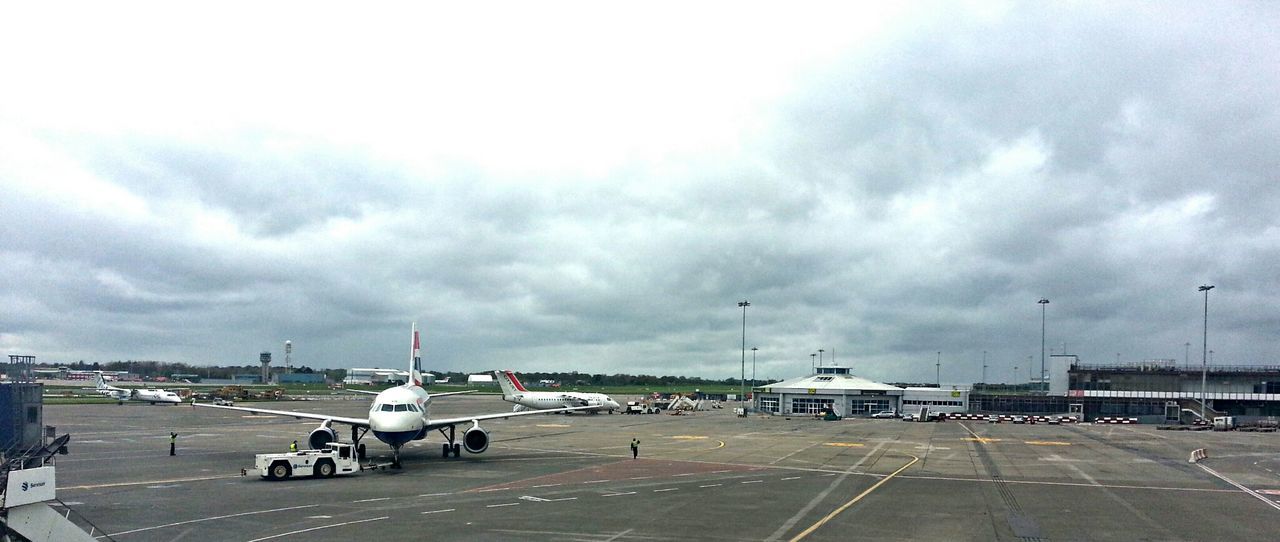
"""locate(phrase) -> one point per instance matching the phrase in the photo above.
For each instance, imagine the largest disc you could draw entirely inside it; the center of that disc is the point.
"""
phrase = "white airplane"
(152, 396)
(514, 392)
(399, 415)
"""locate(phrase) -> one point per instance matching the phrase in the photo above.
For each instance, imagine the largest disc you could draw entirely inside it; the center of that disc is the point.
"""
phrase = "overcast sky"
(583, 186)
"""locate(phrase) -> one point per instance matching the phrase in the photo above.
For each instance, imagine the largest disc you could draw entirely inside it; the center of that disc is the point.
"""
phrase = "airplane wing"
(358, 422)
(451, 393)
(436, 424)
(365, 392)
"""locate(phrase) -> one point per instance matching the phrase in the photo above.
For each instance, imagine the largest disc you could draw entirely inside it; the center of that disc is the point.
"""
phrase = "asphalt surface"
(709, 476)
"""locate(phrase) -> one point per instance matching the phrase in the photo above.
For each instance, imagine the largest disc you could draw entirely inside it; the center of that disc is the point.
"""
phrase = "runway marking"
(640, 477)
(492, 489)
(547, 485)
(1046, 443)
(718, 471)
(553, 425)
(689, 437)
(712, 485)
(837, 511)
(434, 494)
(982, 440)
(1070, 484)
(667, 489)
(617, 494)
(291, 533)
(596, 481)
(792, 478)
(1251, 492)
(1262, 491)
(131, 531)
(501, 505)
(440, 511)
(846, 444)
(684, 474)
(751, 482)
(373, 500)
(153, 482)
(563, 499)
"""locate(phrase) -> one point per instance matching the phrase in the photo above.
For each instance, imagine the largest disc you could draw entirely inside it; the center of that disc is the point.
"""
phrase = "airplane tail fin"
(515, 381)
(98, 381)
(505, 381)
(415, 359)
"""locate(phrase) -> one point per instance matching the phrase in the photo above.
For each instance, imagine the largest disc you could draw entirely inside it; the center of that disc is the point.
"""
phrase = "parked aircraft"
(152, 396)
(514, 392)
(399, 415)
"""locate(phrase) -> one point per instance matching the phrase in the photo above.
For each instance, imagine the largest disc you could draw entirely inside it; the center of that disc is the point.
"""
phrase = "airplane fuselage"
(399, 415)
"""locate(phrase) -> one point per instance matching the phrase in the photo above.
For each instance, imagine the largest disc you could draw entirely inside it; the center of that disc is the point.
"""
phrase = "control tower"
(265, 359)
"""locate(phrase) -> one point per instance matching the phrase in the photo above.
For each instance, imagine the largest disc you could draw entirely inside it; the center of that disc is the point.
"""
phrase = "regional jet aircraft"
(399, 415)
(514, 392)
(152, 396)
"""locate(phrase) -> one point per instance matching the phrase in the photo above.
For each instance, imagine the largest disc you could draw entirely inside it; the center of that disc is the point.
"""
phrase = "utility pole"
(938, 368)
(753, 367)
(812, 367)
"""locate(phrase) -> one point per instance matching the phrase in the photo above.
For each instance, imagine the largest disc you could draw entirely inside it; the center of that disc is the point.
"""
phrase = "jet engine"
(321, 435)
(475, 440)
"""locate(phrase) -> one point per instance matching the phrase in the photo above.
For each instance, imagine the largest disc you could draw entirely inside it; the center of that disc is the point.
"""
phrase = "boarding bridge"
(27, 485)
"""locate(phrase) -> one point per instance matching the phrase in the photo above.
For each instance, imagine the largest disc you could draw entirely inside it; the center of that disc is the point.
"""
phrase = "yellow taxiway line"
(837, 511)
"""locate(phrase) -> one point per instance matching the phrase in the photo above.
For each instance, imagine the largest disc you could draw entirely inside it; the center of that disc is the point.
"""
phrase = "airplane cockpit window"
(402, 408)
(388, 408)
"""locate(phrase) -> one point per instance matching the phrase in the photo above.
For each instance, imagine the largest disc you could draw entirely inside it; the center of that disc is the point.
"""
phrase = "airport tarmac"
(708, 476)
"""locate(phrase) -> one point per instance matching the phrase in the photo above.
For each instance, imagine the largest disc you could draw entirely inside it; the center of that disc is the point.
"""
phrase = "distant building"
(481, 380)
(300, 378)
(837, 389)
(375, 376)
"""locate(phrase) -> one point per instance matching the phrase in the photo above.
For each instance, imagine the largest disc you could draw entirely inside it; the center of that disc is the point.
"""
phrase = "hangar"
(837, 388)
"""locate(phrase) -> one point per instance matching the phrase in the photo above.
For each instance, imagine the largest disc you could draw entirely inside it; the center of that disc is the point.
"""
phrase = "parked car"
(1019, 419)
(885, 414)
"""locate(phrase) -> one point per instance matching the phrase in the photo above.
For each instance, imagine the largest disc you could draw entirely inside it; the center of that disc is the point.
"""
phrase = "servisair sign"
(27, 486)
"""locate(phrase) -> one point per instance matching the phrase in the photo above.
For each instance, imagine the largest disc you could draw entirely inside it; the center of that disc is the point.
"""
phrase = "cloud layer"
(578, 188)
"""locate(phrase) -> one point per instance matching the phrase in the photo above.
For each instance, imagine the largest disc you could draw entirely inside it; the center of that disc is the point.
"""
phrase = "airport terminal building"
(838, 389)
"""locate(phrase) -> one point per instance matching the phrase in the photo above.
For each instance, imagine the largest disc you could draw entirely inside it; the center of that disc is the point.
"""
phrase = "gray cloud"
(910, 193)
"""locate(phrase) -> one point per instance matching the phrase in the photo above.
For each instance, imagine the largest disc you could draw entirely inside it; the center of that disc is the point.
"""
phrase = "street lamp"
(753, 367)
(820, 351)
(938, 368)
(812, 367)
(1043, 303)
(1204, 359)
(743, 398)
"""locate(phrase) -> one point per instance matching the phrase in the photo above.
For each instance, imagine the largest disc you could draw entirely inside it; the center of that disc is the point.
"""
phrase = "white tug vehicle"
(334, 458)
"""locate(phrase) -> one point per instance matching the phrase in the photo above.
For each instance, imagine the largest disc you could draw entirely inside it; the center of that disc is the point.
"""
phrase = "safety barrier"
(1009, 418)
(1197, 455)
(1109, 419)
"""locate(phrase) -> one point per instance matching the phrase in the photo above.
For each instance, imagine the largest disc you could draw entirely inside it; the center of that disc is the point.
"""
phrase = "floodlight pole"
(1204, 359)
(743, 398)
(1043, 303)
(753, 367)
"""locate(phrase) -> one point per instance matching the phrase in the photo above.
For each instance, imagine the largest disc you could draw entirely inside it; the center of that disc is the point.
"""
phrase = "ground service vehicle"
(334, 458)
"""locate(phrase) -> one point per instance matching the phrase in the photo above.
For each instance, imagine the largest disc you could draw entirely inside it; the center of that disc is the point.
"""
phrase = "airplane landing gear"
(449, 447)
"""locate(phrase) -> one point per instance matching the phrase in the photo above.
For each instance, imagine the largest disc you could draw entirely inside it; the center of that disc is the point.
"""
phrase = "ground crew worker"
(173, 441)
(635, 448)
(293, 446)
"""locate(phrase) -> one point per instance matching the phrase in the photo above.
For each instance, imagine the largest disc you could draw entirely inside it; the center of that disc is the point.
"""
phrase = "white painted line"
(712, 485)
(547, 485)
(667, 489)
(434, 494)
(640, 478)
(373, 500)
(494, 489)
(617, 494)
(792, 478)
(685, 474)
(832, 474)
(751, 482)
(720, 471)
(501, 505)
(596, 481)
(290, 533)
(439, 511)
(214, 518)
(1251, 492)
(563, 499)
